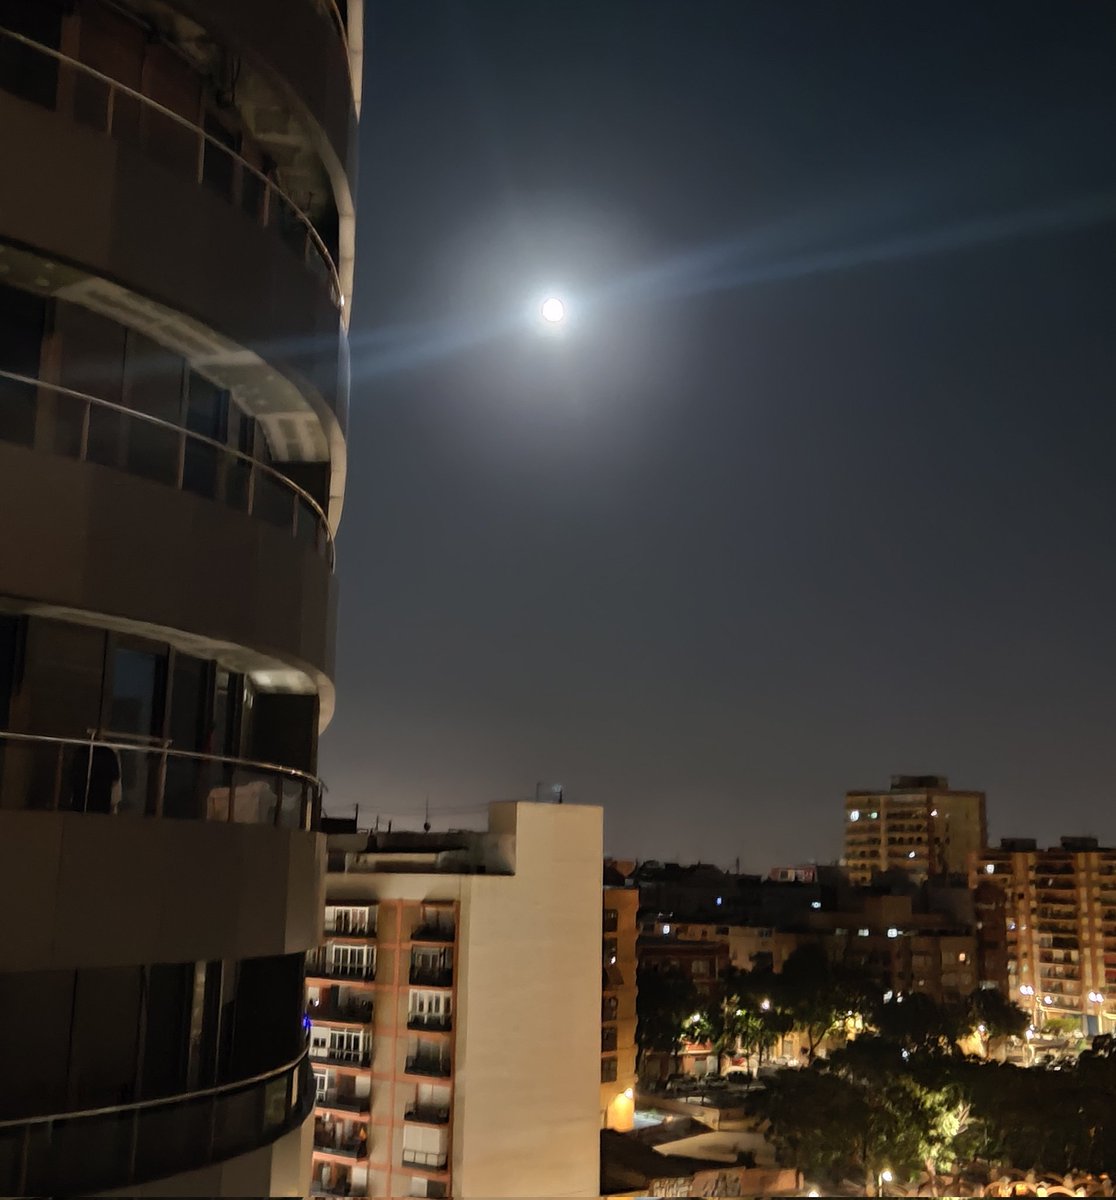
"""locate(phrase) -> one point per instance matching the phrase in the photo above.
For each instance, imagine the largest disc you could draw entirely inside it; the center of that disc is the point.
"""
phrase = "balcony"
(336, 1057)
(358, 972)
(429, 1065)
(427, 1114)
(432, 931)
(429, 975)
(103, 1149)
(70, 774)
(343, 1102)
(208, 160)
(353, 1012)
(354, 1148)
(428, 1160)
(172, 455)
(430, 1022)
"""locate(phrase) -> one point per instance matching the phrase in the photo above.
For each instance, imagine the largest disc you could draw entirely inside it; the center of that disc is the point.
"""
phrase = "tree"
(819, 995)
(1000, 1017)
(664, 1001)
(919, 1024)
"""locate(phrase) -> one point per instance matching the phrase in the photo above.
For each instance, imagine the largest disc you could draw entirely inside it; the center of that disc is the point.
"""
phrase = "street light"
(885, 1176)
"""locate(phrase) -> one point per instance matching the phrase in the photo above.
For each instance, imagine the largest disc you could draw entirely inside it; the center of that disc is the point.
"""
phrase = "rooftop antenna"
(426, 822)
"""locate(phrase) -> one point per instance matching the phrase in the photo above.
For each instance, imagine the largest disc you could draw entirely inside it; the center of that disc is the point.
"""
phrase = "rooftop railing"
(83, 1152)
(91, 429)
(95, 775)
(113, 108)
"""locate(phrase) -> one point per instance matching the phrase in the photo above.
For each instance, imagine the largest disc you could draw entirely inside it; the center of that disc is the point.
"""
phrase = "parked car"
(738, 1077)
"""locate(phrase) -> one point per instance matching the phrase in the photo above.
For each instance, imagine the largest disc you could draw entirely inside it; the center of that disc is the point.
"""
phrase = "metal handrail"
(177, 1098)
(309, 803)
(253, 464)
(115, 85)
(247, 764)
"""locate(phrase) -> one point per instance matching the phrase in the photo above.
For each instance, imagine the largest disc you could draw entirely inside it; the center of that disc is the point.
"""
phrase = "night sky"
(820, 484)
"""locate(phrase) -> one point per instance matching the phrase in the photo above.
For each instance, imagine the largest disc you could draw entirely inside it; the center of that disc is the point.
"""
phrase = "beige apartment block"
(919, 826)
(455, 1010)
(1060, 912)
(620, 931)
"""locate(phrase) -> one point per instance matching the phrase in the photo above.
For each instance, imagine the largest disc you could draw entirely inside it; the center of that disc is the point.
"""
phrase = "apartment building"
(936, 952)
(176, 261)
(919, 827)
(619, 930)
(1060, 914)
(454, 1010)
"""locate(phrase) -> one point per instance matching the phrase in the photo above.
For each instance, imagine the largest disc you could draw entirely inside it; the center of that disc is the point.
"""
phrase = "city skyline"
(816, 489)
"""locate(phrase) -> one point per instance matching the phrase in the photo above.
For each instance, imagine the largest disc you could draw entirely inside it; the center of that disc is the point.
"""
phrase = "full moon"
(553, 310)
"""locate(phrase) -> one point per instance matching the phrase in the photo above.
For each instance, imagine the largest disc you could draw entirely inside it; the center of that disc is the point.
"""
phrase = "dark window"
(207, 415)
(608, 1038)
(167, 1036)
(22, 319)
(611, 920)
(219, 168)
(26, 72)
(267, 1015)
(187, 729)
(153, 385)
(608, 1070)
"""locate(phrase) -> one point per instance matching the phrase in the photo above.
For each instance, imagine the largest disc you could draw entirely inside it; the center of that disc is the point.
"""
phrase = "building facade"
(619, 929)
(1060, 913)
(176, 256)
(454, 1010)
(920, 827)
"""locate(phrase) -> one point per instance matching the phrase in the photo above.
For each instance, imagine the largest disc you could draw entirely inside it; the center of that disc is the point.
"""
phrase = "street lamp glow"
(553, 310)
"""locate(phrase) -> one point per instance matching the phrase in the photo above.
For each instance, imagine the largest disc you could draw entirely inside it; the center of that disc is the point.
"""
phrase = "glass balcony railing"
(89, 429)
(94, 775)
(428, 1114)
(429, 1160)
(432, 932)
(320, 967)
(352, 1012)
(121, 112)
(428, 1064)
(343, 1101)
(431, 1022)
(431, 974)
(109, 1148)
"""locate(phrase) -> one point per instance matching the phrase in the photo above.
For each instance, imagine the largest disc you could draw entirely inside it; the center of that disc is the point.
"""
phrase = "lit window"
(989, 868)
(666, 929)
(718, 901)
(933, 812)
(862, 933)
(874, 816)
(911, 854)
(854, 815)
(962, 957)
(815, 904)
(893, 932)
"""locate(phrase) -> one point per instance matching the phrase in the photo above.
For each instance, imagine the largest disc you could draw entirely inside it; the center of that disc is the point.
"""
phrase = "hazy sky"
(821, 483)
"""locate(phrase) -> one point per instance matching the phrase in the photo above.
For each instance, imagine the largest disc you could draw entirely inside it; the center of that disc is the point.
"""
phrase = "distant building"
(1060, 913)
(919, 827)
(618, 1006)
(455, 1010)
(907, 947)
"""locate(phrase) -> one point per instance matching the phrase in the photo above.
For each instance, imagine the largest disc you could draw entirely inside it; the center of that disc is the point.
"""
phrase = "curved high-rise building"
(176, 260)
